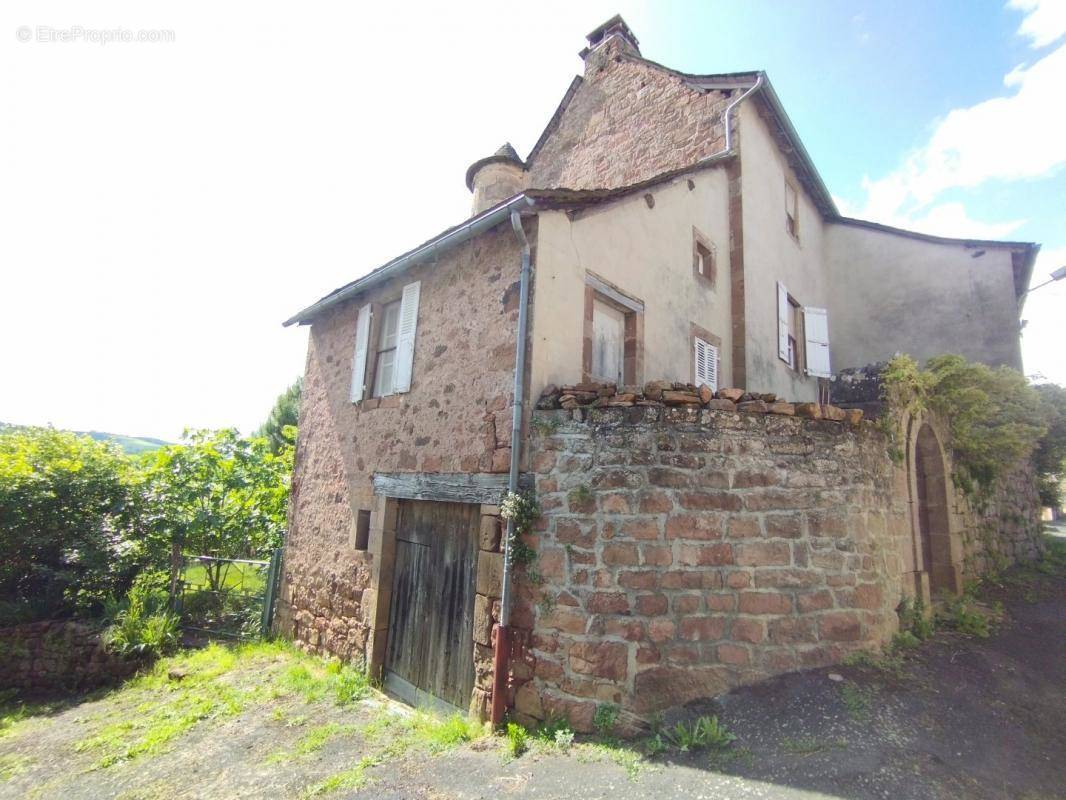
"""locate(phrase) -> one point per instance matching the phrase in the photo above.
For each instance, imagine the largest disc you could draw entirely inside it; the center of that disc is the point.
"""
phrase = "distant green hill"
(130, 444)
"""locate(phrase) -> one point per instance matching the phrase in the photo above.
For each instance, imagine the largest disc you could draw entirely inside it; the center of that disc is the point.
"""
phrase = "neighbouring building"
(708, 519)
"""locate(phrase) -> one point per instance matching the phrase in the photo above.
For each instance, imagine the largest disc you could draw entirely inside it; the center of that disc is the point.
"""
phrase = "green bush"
(604, 719)
(701, 734)
(517, 740)
(143, 627)
(64, 508)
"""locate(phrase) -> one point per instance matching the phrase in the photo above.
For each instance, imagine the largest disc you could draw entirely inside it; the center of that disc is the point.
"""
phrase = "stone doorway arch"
(932, 520)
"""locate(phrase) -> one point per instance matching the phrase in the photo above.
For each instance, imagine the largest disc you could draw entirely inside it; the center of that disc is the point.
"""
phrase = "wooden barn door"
(430, 653)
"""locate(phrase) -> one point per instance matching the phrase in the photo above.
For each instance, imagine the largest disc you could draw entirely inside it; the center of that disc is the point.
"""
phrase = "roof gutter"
(479, 224)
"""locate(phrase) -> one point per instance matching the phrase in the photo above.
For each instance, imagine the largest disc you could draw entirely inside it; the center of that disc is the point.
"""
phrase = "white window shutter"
(405, 340)
(816, 330)
(706, 363)
(362, 342)
(782, 321)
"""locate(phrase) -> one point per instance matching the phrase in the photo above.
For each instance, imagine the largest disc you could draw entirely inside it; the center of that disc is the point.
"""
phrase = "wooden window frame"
(377, 318)
(696, 332)
(792, 214)
(597, 289)
(797, 336)
(700, 241)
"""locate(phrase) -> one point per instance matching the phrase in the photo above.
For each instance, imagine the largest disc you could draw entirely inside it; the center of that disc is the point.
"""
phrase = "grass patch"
(196, 687)
(703, 733)
(628, 759)
(857, 699)
(733, 757)
(809, 745)
(354, 778)
(12, 765)
(313, 741)
(516, 740)
(963, 615)
(314, 681)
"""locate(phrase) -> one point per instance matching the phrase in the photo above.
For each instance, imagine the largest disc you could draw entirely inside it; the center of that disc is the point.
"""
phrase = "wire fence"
(230, 597)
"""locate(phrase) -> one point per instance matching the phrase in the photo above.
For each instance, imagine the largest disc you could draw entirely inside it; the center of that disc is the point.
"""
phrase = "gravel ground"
(963, 718)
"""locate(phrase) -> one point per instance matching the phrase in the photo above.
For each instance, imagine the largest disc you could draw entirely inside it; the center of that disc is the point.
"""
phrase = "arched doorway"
(934, 530)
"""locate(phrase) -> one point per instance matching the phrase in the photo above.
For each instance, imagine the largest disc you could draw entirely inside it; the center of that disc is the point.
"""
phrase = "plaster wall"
(891, 293)
(646, 252)
(772, 254)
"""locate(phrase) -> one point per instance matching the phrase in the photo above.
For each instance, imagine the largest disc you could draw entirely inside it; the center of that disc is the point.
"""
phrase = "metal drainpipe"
(727, 116)
(502, 651)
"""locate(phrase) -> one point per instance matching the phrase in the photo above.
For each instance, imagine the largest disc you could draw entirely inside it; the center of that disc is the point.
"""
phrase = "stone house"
(667, 239)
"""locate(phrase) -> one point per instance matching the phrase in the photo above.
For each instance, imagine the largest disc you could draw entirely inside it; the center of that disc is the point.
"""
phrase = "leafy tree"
(64, 504)
(217, 495)
(1050, 456)
(280, 426)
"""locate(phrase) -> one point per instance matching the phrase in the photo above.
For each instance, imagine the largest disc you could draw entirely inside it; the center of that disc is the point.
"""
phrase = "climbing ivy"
(994, 415)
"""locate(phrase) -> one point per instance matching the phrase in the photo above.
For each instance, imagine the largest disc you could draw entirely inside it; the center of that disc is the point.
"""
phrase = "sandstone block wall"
(58, 655)
(628, 121)
(685, 550)
(456, 418)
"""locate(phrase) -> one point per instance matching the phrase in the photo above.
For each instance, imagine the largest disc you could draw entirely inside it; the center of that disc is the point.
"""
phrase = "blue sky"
(167, 204)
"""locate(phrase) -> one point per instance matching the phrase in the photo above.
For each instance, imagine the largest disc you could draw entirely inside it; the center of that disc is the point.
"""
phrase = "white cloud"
(1045, 20)
(1017, 137)
(1042, 336)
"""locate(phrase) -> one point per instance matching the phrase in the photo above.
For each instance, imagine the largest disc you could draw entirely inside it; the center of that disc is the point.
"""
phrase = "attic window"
(792, 210)
(703, 258)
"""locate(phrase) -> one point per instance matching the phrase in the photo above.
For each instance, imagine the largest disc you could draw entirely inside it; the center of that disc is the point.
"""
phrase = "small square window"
(362, 530)
(703, 258)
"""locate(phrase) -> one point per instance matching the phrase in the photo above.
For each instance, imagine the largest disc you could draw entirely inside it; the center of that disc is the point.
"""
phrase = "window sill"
(372, 403)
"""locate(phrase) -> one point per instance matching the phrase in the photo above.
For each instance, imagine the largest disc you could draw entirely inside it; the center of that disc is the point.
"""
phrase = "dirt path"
(961, 718)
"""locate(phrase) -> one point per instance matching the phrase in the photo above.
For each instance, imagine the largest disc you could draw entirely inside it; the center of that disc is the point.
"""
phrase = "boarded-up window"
(706, 370)
(608, 342)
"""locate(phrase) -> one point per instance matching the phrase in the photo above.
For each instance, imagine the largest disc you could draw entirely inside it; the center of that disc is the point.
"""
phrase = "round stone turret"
(496, 178)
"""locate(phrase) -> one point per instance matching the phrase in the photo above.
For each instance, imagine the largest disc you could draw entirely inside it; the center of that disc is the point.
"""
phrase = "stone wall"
(690, 543)
(58, 655)
(627, 121)
(456, 418)
(687, 549)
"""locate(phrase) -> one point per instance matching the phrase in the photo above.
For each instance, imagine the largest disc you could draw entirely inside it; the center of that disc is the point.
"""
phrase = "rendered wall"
(891, 293)
(771, 254)
(647, 253)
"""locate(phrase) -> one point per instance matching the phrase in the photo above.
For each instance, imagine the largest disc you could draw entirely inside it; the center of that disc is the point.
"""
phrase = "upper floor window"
(802, 335)
(703, 258)
(383, 358)
(792, 210)
(385, 361)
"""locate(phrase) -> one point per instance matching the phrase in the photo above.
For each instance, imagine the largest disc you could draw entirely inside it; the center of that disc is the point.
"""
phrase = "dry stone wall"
(58, 655)
(689, 548)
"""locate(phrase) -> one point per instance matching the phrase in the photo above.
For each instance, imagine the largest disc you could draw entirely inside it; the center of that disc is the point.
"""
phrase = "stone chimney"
(496, 178)
(608, 40)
